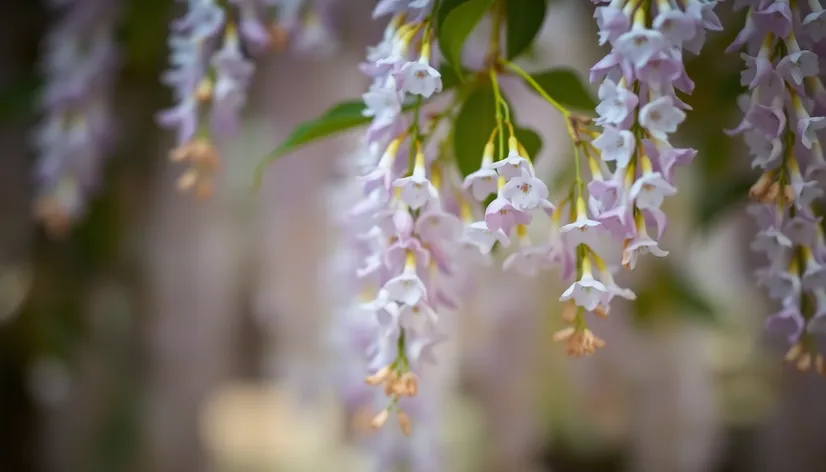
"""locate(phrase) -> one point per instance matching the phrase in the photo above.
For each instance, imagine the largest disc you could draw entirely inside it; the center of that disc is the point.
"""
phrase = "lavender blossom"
(402, 230)
(210, 71)
(782, 77)
(638, 112)
(76, 133)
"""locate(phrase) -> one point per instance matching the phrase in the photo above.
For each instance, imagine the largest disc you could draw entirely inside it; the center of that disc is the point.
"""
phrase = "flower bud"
(759, 189)
(187, 180)
(203, 93)
(404, 422)
(378, 378)
(390, 383)
(409, 383)
(378, 421)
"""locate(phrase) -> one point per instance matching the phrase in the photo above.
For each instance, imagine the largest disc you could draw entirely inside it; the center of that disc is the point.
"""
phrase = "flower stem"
(527, 78)
(494, 80)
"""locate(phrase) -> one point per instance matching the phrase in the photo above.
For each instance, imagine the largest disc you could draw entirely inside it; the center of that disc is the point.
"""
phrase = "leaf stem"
(498, 98)
(527, 78)
(566, 115)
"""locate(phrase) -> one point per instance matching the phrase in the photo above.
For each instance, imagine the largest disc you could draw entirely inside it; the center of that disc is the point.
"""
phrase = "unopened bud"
(563, 334)
(378, 378)
(759, 189)
(179, 154)
(794, 352)
(390, 383)
(278, 38)
(404, 422)
(788, 194)
(626, 257)
(378, 421)
(204, 91)
(805, 362)
(569, 312)
(203, 191)
(601, 311)
(409, 383)
(771, 194)
(187, 180)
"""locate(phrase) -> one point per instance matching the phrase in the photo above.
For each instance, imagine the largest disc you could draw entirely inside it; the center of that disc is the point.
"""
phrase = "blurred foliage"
(474, 124)
(19, 99)
(669, 292)
(722, 166)
(456, 19)
(566, 87)
(53, 320)
(524, 20)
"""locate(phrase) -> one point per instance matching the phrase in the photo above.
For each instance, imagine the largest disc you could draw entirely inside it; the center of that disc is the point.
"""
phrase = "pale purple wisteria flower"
(781, 129)
(630, 156)
(403, 232)
(80, 59)
(210, 70)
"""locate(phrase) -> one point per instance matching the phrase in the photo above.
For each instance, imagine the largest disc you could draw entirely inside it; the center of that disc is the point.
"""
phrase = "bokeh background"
(165, 334)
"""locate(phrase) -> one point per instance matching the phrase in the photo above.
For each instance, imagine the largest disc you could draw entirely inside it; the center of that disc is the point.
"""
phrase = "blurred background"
(159, 333)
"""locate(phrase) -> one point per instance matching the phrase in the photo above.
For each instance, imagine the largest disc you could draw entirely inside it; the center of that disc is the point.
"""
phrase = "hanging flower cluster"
(638, 111)
(210, 70)
(76, 132)
(780, 129)
(415, 225)
(401, 226)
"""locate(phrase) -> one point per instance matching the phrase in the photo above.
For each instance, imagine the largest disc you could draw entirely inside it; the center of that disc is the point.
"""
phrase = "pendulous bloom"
(80, 65)
(210, 70)
(780, 126)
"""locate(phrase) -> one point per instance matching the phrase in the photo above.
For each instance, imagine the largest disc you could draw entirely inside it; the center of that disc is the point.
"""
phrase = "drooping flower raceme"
(403, 231)
(210, 70)
(781, 131)
(629, 155)
(77, 131)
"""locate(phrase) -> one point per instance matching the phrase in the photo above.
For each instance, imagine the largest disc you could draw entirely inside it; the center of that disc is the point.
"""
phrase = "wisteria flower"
(660, 117)
(616, 145)
(526, 192)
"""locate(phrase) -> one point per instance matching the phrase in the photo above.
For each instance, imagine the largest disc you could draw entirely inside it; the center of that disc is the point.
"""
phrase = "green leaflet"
(524, 20)
(474, 124)
(720, 195)
(671, 292)
(565, 86)
(455, 21)
(341, 117)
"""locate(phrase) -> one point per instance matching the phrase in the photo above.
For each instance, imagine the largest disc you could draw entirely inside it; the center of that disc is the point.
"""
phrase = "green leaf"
(688, 297)
(718, 197)
(342, 117)
(456, 21)
(524, 20)
(669, 292)
(530, 140)
(445, 7)
(474, 124)
(450, 78)
(565, 86)
(19, 99)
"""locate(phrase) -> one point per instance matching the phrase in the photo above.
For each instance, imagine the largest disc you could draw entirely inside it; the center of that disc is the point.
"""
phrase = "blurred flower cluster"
(782, 116)
(79, 65)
